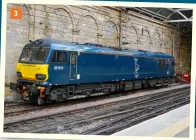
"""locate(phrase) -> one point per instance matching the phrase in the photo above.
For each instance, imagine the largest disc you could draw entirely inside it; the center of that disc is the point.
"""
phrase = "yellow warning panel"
(174, 129)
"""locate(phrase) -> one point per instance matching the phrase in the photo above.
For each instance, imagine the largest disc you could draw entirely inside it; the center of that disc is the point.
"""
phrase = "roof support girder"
(148, 13)
(182, 20)
(182, 15)
(153, 13)
(183, 9)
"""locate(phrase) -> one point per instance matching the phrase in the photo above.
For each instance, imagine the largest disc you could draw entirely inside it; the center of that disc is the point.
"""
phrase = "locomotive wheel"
(88, 93)
(106, 90)
(33, 100)
(37, 100)
(40, 101)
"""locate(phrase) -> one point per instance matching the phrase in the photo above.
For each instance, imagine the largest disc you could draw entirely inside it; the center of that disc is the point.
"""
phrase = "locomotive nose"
(32, 71)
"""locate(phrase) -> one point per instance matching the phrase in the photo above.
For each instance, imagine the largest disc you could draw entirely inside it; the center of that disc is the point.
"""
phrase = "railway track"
(20, 108)
(122, 123)
(32, 111)
(135, 110)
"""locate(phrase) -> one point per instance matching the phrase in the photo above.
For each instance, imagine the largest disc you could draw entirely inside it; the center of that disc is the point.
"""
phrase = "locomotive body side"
(92, 67)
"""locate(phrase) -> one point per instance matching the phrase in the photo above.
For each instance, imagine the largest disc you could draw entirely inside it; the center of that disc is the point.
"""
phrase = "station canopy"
(178, 17)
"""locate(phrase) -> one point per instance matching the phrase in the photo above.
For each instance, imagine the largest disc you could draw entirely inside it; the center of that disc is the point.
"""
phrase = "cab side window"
(59, 57)
(161, 63)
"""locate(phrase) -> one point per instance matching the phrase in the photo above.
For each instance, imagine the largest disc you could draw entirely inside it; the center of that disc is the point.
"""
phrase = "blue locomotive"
(50, 70)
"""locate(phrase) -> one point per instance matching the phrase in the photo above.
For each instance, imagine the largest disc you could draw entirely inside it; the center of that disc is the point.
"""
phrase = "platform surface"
(183, 133)
(174, 123)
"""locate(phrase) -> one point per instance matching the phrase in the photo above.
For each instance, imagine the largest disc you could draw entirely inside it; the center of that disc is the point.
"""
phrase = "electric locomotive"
(51, 70)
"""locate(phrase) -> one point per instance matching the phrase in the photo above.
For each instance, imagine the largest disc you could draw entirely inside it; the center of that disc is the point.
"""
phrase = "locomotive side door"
(73, 66)
(170, 66)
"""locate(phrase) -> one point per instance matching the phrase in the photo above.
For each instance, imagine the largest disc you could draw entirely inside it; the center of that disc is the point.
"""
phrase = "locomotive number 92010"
(58, 67)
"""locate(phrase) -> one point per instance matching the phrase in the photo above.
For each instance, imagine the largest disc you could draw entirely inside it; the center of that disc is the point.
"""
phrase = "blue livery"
(72, 66)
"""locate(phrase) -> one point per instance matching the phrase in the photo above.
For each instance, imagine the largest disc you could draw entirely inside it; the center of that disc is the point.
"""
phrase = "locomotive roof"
(90, 47)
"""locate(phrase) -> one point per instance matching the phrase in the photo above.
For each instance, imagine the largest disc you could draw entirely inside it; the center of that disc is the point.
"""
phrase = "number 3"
(15, 13)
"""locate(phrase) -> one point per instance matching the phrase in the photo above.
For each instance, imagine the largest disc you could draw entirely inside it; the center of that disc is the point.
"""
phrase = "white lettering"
(58, 67)
(15, 13)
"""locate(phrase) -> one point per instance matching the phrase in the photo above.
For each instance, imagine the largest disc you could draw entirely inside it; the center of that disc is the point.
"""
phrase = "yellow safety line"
(174, 129)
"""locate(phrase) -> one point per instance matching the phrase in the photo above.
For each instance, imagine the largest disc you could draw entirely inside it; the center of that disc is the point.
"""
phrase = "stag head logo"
(136, 68)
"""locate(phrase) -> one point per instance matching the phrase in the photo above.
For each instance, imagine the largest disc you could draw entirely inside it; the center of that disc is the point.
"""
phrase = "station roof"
(178, 17)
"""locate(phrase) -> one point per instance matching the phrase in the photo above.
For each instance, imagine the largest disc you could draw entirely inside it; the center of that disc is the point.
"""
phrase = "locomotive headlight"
(40, 76)
(19, 74)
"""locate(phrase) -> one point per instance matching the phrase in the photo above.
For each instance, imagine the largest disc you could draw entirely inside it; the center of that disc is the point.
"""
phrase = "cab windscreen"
(35, 55)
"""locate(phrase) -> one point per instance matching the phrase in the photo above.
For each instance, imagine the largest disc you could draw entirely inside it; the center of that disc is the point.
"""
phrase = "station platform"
(174, 123)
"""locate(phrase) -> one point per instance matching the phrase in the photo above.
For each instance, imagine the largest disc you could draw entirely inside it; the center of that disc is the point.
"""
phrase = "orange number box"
(16, 13)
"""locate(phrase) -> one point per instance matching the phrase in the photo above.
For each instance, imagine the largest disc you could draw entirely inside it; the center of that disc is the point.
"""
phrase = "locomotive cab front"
(32, 64)
(32, 72)
(40, 68)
